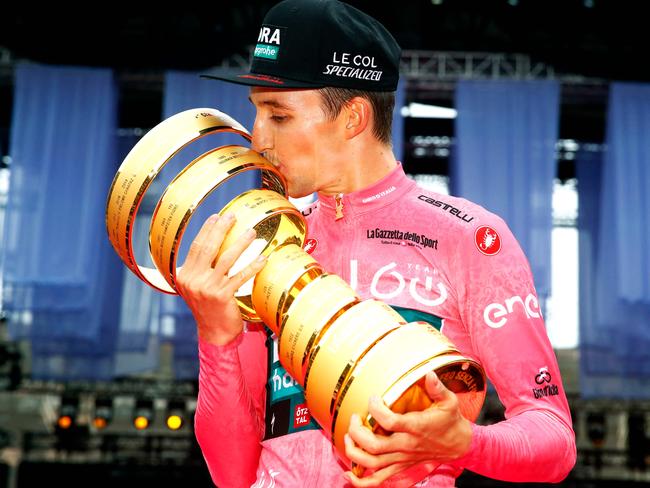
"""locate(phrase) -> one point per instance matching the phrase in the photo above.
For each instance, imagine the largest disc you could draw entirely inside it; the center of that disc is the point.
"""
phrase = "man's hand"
(439, 434)
(204, 283)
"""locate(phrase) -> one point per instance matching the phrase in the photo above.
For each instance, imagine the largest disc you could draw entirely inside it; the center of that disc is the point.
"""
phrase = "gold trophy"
(339, 348)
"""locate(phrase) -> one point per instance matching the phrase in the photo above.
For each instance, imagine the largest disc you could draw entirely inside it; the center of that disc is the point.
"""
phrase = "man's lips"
(275, 163)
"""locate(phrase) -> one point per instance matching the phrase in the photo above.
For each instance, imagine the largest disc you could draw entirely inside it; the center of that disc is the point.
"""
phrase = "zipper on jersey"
(339, 206)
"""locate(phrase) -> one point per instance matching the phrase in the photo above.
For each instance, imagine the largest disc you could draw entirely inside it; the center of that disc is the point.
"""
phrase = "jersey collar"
(390, 188)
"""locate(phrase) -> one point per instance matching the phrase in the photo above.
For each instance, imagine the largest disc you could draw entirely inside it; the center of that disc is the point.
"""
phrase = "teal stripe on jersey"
(411, 315)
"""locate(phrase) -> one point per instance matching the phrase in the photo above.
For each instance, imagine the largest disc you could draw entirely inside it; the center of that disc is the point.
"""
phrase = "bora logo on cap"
(268, 42)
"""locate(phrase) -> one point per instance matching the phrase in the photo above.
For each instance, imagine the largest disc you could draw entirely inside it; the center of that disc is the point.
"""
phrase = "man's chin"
(296, 193)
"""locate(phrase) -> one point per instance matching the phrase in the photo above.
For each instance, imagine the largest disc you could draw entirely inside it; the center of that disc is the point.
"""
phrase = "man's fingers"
(436, 390)
(208, 241)
(194, 247)
(367, 460)
(237, 280)
(378, 477)
(385, 417)
(365, 438)
(229, 256)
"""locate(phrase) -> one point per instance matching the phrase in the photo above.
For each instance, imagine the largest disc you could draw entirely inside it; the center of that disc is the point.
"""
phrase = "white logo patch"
(269, 36)
(348, 65)
(495, 314)
(401, 285)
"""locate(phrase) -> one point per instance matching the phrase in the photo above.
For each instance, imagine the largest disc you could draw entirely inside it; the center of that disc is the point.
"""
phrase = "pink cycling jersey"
(433, 257)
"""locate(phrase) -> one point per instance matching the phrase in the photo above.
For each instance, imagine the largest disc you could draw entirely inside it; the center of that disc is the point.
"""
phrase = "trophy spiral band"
(339, 348)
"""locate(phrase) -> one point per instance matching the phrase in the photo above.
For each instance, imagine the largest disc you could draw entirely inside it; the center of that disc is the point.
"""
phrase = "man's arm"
(503, 319)
(229, 420)
(230, 417)
(502, 327)
(532, 446)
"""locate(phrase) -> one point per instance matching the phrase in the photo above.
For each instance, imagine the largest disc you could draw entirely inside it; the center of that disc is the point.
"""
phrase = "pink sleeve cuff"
(473, 453)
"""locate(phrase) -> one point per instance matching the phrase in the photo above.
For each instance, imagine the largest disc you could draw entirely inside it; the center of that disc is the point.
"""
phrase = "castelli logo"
(487, 240)
(310, 245)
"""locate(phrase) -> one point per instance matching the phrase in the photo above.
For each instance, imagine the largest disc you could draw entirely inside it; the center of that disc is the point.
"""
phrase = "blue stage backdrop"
(62, 280)
(614, 261)
(504, 160)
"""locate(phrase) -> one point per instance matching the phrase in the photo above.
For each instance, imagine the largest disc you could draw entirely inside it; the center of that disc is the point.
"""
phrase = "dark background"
(605, 40)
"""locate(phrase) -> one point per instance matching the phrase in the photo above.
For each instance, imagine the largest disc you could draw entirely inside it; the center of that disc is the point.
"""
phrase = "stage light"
(143, 415)
(70, 436)
(174, 422)
(141, 422)
(176, 411)
(103, 412)
(67, 412)
(64, 421)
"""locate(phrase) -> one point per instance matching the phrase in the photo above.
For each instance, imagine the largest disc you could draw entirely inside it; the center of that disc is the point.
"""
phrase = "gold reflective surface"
(141, 165)
(277, 222)
(340, 348)
(312, 312)
(287, 271)
(416, 349)
(186, 192)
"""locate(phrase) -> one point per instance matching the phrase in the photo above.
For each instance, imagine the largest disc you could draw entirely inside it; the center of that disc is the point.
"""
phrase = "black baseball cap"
(318, 43)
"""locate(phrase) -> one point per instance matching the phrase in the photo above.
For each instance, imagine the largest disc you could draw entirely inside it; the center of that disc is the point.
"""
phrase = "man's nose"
(261, 140)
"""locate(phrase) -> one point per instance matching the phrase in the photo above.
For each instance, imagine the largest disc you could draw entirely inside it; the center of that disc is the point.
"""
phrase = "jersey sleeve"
(229, 419)
(503, 325)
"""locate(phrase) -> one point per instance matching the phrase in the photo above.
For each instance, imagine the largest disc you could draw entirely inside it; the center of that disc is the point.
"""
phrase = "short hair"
(382, 102)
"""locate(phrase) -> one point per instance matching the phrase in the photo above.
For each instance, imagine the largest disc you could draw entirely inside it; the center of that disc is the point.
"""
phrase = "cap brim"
(253, 79)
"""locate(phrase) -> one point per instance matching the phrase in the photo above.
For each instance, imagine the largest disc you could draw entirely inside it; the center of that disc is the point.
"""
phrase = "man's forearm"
(534, 445)
(228, 424)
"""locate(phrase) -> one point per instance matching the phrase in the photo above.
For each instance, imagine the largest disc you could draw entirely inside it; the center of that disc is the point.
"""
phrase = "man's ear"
(358, 112)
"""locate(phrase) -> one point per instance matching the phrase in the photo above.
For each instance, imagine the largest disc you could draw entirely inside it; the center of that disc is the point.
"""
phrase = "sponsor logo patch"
(388, 283)
(546, 389)
(268, 42)
(487, 240)
(496, 315)
(266, 51)
(379, 195)
(445, 206)
(353, 65)
(402, 238)
(310, 245)
(301, 416)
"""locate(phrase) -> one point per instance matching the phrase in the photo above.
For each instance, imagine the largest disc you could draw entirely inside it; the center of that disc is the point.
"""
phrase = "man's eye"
(278, 118)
